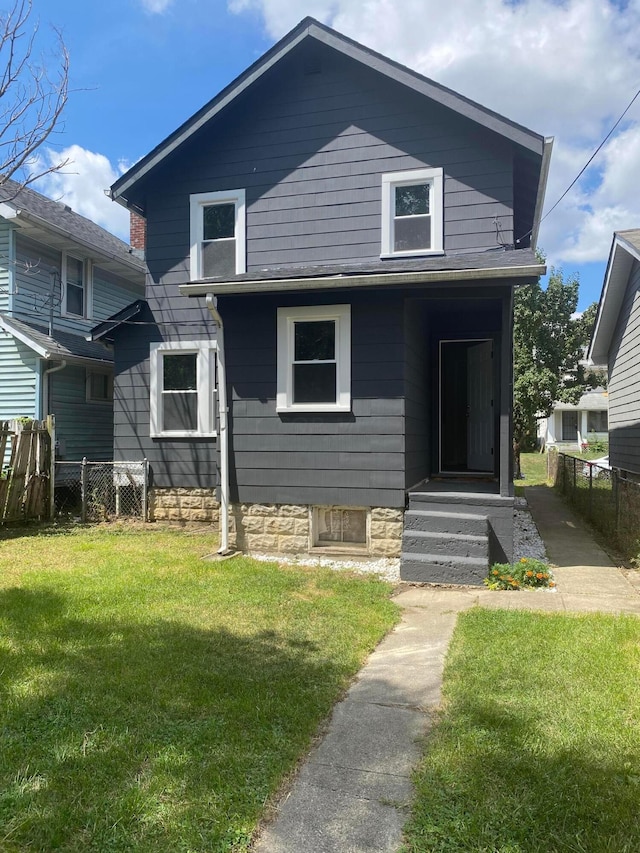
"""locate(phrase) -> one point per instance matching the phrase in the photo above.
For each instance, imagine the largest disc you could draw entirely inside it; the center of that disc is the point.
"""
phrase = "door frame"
(479, 340)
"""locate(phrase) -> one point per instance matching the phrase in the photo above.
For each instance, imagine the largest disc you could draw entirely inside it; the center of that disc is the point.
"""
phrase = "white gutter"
(361, 280)
(223, 424)
(45, 385)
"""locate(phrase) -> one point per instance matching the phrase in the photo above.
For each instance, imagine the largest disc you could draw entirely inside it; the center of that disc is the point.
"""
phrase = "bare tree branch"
(32, 98)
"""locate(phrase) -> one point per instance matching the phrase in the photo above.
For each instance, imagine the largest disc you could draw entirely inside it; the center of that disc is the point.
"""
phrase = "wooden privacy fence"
(26, 481)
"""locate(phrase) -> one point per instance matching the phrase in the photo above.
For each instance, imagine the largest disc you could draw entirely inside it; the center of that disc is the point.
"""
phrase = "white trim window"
(412, 213)
(99, 386)
(218, 234)
(314, 359)
(183, 386)
(76, 287)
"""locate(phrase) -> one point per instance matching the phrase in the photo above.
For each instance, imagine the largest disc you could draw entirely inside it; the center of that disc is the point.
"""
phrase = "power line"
(587, 164)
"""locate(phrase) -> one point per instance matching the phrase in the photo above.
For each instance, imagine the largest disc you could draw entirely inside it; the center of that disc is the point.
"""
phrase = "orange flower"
(529, 574)
(552, 583)
(495, 572)
(539, 575)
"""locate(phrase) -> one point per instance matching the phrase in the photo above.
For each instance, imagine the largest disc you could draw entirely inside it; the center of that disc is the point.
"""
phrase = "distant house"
(59, 273)
(571, 426)
(616, 342)
(341, 238)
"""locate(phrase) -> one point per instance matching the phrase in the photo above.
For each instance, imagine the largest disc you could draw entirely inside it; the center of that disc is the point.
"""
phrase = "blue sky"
(139, 68)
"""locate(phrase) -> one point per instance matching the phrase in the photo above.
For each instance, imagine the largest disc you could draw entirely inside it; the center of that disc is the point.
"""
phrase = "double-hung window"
(182, 388)
(412, 212)
(314, 359)
(218, 246)
(76, 287)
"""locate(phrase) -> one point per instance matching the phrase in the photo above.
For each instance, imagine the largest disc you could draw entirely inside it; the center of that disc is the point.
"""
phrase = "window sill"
(311, 408)
(384, 256)
(170, 435)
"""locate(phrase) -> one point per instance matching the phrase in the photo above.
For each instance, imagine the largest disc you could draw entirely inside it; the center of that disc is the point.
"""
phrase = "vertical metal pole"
(145, 490)
(51, 429)
(616, 489)
(574, 474)
(83, 489)
(590, 489)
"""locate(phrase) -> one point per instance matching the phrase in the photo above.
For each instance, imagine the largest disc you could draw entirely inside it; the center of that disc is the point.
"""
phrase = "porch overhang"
(523, 274)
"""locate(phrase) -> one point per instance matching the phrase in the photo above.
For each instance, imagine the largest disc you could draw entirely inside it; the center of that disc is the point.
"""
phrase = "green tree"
(549, 344)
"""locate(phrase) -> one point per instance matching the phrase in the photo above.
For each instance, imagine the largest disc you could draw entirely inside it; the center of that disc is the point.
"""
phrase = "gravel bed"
(526, 543)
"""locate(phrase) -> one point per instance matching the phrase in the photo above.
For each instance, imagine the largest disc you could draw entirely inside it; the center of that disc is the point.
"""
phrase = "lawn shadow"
(505, 793)
(145, 735)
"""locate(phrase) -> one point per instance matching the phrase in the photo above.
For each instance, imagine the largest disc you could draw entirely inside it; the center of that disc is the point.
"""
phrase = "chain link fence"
(609, 501)
(102, 491)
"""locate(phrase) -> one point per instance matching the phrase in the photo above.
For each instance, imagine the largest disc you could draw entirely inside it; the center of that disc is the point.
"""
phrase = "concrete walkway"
(353, 792)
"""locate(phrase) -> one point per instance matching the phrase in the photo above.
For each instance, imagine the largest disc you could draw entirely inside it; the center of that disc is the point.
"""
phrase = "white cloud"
(156, 7)
(81, 185)
(565, 69)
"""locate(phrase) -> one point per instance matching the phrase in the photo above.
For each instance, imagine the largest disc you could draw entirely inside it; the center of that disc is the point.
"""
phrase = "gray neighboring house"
(59, 273)
(616, 342)
(356, 232)
(570, 426)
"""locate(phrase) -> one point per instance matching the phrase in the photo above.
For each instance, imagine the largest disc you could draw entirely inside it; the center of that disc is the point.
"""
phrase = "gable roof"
(58, 344)
(624, 250)
(310, 28)
(56, 224)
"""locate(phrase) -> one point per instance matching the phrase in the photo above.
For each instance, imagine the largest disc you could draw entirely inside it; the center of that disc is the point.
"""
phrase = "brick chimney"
(137, 231)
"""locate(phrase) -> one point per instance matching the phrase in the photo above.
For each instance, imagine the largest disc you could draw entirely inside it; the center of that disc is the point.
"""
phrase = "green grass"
(538, 747)
(151, 701)
(534, 469)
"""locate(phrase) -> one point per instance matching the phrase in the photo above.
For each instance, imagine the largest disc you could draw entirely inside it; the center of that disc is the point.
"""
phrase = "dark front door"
(467, 425)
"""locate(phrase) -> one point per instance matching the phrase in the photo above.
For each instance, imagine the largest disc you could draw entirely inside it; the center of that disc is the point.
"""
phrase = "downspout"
(45, 385)
(223, 425)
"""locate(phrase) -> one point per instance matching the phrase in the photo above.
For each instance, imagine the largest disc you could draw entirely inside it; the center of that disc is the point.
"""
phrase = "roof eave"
(127, 263)
(201, 288)
(542, 189)
(616, 278)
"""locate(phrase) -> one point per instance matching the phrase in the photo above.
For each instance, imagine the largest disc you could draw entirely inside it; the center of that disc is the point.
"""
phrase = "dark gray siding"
(624, 381)
(355, 459)
(178, 463)
(417, 394)
(310, 149)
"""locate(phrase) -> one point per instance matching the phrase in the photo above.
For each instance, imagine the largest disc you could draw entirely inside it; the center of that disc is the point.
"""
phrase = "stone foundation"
(270, 528)
(184, 505)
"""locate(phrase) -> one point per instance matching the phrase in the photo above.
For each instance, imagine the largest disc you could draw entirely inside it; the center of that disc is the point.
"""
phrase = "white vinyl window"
(99, 386)
(183, 386)
(412, 213)
(314, 359)
(218, 241)
(76, 287)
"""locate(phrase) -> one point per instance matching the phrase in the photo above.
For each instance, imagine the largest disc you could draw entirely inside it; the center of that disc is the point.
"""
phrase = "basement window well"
(340, 526)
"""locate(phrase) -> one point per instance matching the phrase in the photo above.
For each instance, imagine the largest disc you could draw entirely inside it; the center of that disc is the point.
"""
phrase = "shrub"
(525, 574)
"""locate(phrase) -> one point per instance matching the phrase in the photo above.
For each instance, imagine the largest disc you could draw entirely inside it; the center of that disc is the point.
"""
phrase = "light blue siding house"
(59, 274)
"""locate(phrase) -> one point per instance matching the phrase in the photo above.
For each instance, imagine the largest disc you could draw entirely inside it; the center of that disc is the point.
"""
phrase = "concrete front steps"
(448, 537)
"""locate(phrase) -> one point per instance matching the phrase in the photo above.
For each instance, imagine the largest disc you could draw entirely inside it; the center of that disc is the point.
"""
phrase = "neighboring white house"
(571, 425)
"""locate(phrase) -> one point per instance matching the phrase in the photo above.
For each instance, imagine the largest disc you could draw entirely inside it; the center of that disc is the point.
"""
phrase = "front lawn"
(151, 701)
(538, 747)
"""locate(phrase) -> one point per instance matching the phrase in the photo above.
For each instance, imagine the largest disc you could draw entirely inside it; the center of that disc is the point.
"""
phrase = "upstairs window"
(412, 213)
(314, 359)
(76, 287)
(218, 234)
(182, 388)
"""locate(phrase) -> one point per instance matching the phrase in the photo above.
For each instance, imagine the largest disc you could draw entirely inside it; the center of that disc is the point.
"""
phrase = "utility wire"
(586, 165)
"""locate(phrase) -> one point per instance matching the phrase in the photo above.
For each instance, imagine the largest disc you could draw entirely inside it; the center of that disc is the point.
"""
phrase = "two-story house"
(332, 246)
(59, 273)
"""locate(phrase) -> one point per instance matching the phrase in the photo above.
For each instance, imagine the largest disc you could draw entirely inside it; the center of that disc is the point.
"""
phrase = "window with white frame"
(597, 421)
(99, 386)
(314, 359)
(218, 243)
(412, 212)
(76, 287)
(183, 385)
